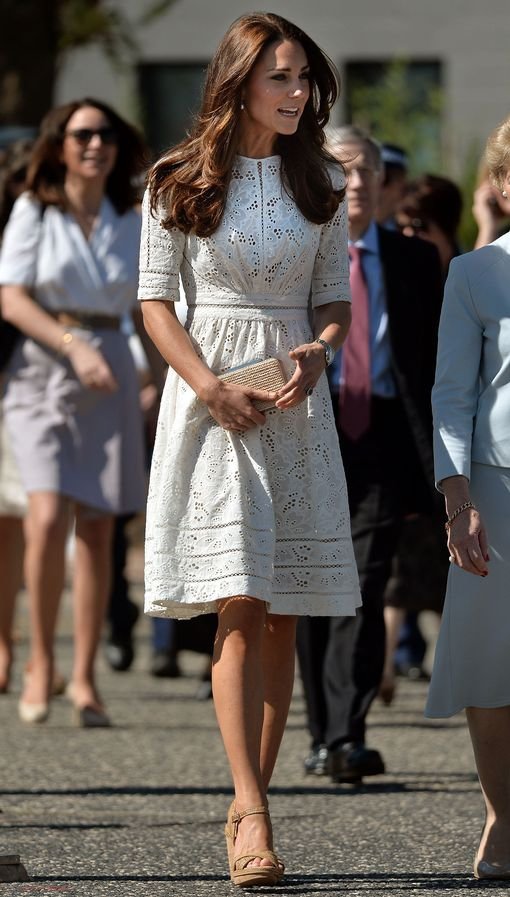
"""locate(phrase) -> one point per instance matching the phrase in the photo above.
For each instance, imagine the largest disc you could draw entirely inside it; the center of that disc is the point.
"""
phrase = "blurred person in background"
(380, 385)
(247, 512)
(394, 180)
(430, 209)
(13, 503)
(68, 270)
(13, 172)
(471, 406)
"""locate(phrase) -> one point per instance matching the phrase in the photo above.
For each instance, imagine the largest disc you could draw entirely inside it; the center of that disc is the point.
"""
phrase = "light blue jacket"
(471, 394)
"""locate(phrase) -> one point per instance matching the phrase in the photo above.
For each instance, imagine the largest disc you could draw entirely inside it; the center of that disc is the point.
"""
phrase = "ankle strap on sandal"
(251, 811)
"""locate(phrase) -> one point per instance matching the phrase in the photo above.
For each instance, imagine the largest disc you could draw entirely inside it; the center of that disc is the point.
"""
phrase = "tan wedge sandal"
(243, 875)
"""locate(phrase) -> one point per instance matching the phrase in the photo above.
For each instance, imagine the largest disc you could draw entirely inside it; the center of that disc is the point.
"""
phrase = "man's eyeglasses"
(83, 136)
(363, 172)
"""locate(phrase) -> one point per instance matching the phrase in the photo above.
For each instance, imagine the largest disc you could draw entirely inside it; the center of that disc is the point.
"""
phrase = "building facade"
(458, 49)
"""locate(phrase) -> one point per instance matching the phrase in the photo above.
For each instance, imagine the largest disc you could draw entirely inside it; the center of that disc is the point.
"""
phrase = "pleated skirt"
(472, 661)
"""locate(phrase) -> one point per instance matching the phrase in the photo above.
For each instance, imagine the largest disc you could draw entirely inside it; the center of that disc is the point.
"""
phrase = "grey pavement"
(138, 810)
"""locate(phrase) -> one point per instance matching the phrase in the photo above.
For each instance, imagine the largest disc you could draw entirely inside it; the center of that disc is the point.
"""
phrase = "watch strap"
(329, 352)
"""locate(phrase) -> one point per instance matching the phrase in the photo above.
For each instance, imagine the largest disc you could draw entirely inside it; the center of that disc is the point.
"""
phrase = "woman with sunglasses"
(68, 270)
(431, 210)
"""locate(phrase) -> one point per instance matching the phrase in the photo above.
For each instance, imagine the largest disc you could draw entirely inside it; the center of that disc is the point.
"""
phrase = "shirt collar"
(370, 239)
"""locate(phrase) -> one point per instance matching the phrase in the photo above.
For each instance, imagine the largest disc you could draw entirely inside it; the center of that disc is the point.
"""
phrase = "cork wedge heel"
(241, 873)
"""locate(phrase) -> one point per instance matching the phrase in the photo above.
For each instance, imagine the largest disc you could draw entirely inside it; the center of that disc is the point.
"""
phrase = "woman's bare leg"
(46, 528)
(490, 736)
(279, 653)
(11, 565)
(393, 620)
(91, 588)
(238, 689)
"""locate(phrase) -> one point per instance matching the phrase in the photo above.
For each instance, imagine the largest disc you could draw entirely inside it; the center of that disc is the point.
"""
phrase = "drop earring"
(504, 193)
(242, 106)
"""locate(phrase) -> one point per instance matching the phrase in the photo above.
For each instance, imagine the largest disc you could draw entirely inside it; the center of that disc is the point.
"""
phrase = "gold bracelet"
(457, 511)
(67, 338)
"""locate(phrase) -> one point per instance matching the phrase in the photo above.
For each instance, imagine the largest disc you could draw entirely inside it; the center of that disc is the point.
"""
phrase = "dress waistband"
(86, 320)
(250, 310)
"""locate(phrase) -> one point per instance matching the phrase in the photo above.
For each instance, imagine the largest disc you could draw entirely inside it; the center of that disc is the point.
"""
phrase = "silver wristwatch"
(329, 352)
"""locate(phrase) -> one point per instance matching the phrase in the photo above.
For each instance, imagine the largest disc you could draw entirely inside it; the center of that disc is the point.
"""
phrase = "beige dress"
(66, 438)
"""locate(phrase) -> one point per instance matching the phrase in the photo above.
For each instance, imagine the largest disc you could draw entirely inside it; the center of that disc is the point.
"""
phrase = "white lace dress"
(263, 514)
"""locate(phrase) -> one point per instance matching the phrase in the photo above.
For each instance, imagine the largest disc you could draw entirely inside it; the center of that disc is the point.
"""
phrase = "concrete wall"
(470, 37)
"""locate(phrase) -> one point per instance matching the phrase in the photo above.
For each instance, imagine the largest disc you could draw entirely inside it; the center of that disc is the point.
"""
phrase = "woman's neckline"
(259, 159)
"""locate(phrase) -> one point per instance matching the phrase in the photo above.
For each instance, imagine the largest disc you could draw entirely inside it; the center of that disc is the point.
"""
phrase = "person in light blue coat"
(471, 405)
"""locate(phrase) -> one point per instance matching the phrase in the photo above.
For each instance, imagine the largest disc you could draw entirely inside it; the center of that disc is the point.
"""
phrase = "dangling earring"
(242, 105)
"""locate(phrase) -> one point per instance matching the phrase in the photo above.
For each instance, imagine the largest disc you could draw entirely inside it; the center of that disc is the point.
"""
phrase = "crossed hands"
(232, 406)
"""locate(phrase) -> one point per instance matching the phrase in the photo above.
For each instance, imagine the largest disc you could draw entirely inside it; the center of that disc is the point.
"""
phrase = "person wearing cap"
(393, 184)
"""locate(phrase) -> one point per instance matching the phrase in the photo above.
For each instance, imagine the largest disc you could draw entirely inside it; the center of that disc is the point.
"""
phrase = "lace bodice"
(263, 249)
(264, 513)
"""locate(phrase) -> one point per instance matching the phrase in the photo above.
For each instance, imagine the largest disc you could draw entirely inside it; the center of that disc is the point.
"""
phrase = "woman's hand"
(467, 539)
(90, 366)
(490, 209)
(232, 406)
(467, 543)
(310, 364)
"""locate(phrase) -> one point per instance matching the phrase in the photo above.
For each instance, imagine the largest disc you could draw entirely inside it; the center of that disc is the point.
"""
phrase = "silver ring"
(308, 390)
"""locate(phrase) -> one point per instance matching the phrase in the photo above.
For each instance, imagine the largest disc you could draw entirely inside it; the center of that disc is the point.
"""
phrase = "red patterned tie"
(355, 391)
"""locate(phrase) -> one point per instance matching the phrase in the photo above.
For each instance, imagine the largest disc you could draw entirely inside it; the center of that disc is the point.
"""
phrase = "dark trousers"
(120, 612)
(341, 658)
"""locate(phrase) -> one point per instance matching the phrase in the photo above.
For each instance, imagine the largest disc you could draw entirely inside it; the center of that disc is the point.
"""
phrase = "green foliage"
(468, 182)
(154, 10)
(399, 104)
(85, 22)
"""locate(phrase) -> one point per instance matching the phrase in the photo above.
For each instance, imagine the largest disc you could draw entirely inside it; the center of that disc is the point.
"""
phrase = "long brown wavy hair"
(192, 179)
(46, 171)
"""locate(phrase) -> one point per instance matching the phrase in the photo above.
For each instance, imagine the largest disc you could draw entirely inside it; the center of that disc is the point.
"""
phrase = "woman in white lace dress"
(247, 512)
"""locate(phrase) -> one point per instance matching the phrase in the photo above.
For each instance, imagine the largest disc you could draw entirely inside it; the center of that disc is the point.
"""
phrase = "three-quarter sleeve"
(20, 246)
(330, 281)
(456, 387)
(161, 252)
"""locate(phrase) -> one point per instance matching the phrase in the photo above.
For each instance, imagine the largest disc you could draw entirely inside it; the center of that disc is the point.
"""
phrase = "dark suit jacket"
(414, 292)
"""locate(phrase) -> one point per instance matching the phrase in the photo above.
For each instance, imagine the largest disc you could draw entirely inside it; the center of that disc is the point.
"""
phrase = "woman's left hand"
(468, 544)
(310, 364)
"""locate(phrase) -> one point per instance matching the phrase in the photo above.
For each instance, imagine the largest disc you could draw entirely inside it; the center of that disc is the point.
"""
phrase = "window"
(170, 94)
(399, 101)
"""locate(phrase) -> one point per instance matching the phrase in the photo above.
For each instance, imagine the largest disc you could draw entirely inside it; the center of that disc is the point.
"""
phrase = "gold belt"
(85, 320)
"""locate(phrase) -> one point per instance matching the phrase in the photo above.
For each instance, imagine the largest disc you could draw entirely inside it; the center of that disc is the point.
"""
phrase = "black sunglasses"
(418, 225)
(108, 135)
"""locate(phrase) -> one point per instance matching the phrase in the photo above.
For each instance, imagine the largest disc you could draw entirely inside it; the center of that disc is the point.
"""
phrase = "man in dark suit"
(380, 389)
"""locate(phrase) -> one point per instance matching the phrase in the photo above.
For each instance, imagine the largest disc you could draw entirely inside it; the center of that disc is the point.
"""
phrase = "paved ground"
(138, 810)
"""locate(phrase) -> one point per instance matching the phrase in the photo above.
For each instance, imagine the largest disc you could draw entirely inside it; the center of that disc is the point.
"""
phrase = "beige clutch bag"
(266, 374)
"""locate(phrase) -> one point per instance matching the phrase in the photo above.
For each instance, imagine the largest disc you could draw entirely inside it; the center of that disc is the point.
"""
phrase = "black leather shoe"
(119, 648)
(164, 665)
(352, 761)
(316, 764)
(119, 654)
